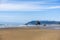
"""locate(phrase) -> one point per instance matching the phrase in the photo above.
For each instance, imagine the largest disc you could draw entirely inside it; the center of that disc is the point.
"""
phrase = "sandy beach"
(29, 34)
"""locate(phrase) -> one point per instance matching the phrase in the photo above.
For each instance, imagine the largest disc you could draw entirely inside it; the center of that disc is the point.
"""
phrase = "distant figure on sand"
(37, 22)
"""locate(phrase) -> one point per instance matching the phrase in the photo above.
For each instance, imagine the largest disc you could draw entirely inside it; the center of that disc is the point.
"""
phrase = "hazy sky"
(27, 10)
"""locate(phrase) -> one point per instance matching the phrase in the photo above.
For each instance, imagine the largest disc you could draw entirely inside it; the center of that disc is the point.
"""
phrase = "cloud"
(54, 7)
(25, 6)
(19, 7)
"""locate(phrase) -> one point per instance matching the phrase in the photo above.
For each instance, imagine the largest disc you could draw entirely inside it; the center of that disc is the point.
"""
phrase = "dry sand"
(29, 34)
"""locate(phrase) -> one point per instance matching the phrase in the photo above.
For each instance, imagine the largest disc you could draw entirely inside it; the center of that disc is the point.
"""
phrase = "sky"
(28, 10)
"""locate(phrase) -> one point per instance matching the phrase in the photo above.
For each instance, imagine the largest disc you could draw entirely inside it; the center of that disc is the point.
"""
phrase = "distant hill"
(43, 22)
